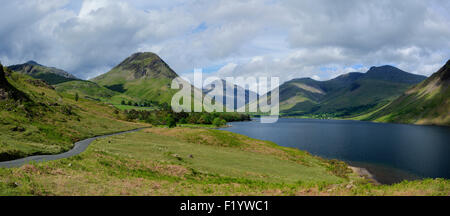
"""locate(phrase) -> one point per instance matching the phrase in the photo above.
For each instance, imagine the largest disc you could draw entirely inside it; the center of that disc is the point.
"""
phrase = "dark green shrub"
(218, 122)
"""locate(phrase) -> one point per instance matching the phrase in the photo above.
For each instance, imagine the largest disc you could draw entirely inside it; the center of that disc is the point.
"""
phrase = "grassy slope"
(370, 94)
(51, 122)
(425, 103)
(157, 161)
(414, 108)
(345, 96)
(85, 89)
(141, 76)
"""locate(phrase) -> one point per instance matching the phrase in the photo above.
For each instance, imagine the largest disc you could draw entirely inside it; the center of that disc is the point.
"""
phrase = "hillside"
(425, 103)
(7, 91)
(50, 75)
(38, 120)
(63, 81)
(347, 95)
(86, 89)
(143, 76)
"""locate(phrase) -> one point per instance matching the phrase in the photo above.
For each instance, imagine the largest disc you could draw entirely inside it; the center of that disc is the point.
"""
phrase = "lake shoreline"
(364, 173)
(360, 171)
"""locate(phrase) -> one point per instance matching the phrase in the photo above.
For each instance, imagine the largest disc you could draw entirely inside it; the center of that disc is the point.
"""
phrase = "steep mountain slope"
(144, 76)
(347, 95)
(425, 103)
(39, 120)
(50, 75)
(300, 95)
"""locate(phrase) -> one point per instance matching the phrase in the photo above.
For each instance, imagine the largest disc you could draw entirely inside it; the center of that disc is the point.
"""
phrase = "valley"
(183, 154)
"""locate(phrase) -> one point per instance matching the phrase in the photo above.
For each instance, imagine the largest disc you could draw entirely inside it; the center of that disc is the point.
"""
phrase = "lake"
(391, 152)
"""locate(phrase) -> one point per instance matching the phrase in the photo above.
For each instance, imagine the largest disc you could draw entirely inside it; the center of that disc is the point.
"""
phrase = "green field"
(184, 161)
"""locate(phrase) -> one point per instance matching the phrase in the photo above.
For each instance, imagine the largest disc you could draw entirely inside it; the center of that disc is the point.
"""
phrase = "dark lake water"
(391, 152)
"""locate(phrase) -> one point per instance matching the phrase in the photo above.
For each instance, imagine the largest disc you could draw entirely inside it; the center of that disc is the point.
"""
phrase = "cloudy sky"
(288, 38)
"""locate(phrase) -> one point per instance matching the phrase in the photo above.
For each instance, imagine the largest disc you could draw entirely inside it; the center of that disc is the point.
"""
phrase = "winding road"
(78, 148)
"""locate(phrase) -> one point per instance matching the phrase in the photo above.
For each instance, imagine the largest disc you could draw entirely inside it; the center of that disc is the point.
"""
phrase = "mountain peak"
(144, 55)
(444, 72)
(304, 79)
(146, 65)
(383, 68)
(391, 73)
(51, 75)
(31, 62)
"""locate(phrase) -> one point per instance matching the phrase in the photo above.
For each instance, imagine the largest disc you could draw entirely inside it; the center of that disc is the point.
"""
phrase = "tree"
(182, 121)
(170, 121)
(218, 122)
(77, 96)
(123, 102)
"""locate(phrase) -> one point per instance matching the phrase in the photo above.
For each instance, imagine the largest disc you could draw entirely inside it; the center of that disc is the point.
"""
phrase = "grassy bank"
(186, 161)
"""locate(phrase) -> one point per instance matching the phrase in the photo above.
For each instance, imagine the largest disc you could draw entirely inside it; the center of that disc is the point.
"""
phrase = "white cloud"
(315, 77)
(289, 38)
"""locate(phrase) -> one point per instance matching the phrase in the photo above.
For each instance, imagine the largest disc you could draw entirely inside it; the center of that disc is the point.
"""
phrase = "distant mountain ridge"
(50, 75)
(393, 74)
(223, 96)
(346, 95)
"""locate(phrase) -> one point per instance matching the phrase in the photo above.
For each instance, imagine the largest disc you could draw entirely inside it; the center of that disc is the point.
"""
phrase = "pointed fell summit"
(142, 65)
(148, 65)
(31, 62)
(50, 75)
(142, 76)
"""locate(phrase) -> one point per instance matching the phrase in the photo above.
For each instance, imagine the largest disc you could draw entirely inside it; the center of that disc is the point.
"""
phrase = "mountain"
(393, 74)
(143, 76)
(50, 75)
(346, 95)
(425, 103)
(223, 96)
